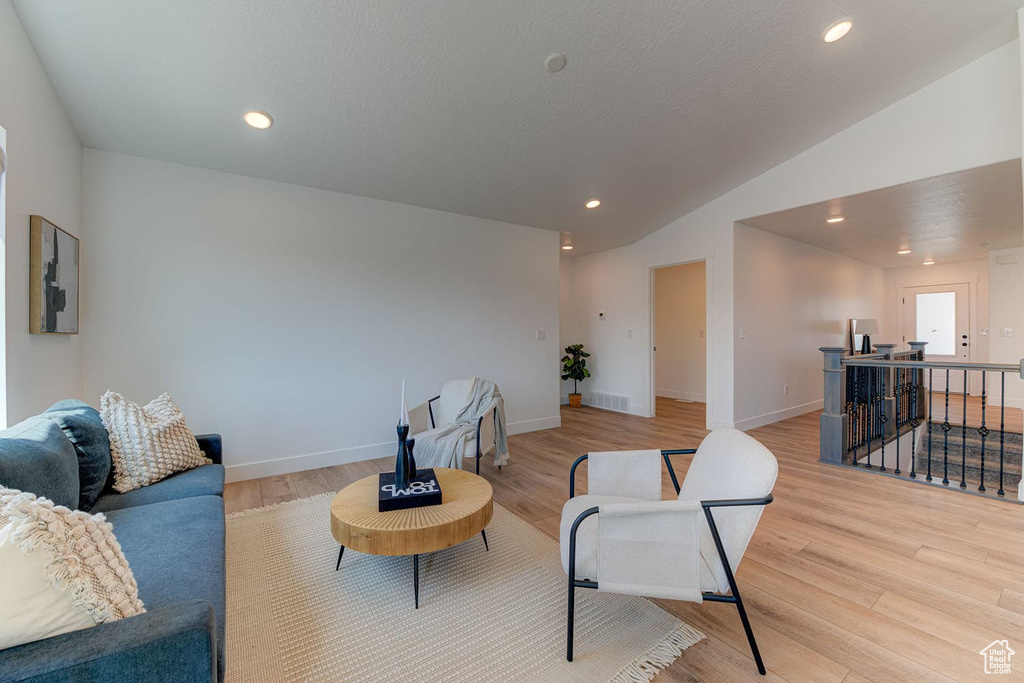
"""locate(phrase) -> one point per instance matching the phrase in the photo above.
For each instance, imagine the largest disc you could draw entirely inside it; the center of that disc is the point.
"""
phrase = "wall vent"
(600, 399)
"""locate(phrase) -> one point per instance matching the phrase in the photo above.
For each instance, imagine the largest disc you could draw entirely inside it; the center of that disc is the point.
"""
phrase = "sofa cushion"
(84, 428)
(207, 480)
(36, 456)
(62, 570)
(176, 552)
(148, 443)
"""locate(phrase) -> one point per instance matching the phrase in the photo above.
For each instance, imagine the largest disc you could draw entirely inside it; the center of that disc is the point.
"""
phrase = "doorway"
(679, 334)
(941, 316)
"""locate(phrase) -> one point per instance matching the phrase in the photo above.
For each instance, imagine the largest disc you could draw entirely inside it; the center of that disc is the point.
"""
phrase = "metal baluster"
(983, 431)
(913, 425)
(1002, 427)
(871, 412)
(882, 417)
(945, 437)
(963, 440)
(898, 402)
(931, 401)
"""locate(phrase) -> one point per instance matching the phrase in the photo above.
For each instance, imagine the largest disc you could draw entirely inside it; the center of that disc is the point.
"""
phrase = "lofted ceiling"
(946, 219)
(446, 104)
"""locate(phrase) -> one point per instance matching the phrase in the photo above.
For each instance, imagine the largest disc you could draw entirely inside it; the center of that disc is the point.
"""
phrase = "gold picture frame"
(54, 277)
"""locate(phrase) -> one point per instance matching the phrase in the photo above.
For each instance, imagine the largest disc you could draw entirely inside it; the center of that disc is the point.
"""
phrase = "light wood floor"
(850, 577)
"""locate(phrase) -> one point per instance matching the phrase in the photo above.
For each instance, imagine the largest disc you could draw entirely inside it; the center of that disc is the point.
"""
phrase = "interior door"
(941, 316)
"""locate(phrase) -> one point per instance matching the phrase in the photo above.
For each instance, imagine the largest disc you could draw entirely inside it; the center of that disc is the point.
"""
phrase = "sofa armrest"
(212, 446)
(175, 643)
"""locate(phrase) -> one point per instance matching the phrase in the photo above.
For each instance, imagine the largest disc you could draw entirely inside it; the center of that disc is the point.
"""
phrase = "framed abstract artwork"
(53, 279)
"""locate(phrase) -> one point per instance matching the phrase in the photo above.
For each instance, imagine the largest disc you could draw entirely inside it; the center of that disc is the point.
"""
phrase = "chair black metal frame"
(479, 426)
(707, 505)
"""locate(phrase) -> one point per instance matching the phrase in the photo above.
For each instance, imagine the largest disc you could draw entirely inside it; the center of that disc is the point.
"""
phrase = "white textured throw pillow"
(62, 570)
(147, 443)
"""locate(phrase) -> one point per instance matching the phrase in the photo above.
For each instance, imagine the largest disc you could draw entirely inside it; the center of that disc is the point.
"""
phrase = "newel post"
(919, 380)
(834, 418)
(889, 396)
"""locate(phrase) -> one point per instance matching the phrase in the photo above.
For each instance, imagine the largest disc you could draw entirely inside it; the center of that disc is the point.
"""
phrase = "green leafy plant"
(574, 365)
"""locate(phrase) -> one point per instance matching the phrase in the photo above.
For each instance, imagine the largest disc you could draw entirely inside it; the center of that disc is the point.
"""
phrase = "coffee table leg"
(340, 553)
(484, 534)
(416, 578)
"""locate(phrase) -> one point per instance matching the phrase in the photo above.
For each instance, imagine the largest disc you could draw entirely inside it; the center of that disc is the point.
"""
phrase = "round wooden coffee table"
(466, 507)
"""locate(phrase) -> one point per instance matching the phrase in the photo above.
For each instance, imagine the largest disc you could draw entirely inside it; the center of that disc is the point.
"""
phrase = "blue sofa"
(172, 533)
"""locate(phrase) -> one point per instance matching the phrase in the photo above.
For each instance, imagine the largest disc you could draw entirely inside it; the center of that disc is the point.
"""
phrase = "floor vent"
(600, 399)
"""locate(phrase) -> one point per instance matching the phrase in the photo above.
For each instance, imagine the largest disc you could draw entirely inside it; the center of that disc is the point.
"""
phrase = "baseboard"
(694, 396)
(343, 456)
(534, 425)
(1010, 402)
(768, 418)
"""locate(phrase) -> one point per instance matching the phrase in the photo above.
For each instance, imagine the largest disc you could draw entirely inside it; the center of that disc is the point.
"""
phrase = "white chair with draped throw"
(623, 538)
(442, 410)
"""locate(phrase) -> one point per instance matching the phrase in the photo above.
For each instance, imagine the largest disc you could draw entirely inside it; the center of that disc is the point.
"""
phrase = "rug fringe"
(287, 503)
(661, 656)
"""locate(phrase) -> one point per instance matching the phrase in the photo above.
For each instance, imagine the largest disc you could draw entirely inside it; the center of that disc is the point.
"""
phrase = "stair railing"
(880, 414)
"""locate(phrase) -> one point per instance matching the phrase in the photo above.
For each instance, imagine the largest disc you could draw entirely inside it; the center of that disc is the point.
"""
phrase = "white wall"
(1006, 310)
(285, 317)
(567, 318)
(791, 300)
(43, 177)
(969, 118)
(680, 312)
(974, 273)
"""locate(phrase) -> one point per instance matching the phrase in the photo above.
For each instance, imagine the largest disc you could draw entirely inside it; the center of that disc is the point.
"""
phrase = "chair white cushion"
(587, 543)
(728, 464)
(454, 397)
(586, 535)
(633, 474)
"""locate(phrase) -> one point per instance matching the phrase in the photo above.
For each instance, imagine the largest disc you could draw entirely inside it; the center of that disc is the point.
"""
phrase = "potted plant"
(574, 367)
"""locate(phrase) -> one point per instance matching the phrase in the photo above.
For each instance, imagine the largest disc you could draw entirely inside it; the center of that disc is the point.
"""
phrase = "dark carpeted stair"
(956, 438)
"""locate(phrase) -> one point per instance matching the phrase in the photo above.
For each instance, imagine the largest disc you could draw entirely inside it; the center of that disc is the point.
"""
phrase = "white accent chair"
(441, 411)
(623, 538)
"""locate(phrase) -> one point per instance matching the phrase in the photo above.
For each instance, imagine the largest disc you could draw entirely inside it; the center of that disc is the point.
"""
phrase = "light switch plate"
(542, 335)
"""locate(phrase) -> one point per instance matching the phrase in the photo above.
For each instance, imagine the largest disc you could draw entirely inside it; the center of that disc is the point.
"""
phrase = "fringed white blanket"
(446, 445)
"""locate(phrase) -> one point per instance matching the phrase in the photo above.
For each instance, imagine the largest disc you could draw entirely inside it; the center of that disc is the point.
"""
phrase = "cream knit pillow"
(147, 443)
(62, 570)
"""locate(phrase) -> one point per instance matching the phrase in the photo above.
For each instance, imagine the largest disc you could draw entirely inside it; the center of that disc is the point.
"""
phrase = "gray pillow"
(36, 457)
(84, 428)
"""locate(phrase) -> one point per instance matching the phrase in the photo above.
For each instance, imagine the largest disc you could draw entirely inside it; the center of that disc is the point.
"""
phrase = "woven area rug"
(483, 616)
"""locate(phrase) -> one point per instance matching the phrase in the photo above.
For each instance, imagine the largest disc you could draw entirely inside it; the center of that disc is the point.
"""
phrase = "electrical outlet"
(542, 335)
(743, 333)
(785, 390)
(629, 334)
(700, 334)
(1007, 331)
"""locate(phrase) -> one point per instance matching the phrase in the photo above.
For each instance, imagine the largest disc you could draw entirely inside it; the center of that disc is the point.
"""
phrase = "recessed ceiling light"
(555, 63)
(835, 219)
(567, 247)
(929, 262)
(258, 119)
(837, 31)
(593, 203)
(903, 252)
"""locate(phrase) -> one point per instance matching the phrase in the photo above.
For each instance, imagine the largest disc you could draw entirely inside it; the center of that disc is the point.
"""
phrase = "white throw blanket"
(445, 445)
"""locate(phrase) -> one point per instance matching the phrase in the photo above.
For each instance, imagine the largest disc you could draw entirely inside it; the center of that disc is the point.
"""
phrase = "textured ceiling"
(945, 218)
(663, 106)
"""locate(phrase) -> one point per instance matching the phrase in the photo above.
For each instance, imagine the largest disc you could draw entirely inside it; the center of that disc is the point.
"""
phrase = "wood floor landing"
(850, 577)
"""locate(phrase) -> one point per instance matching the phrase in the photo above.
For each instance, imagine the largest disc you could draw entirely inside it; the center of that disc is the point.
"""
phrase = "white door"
(940, 315)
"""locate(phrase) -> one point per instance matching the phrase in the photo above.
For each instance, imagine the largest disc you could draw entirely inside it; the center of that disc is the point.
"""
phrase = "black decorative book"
(423, 490)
